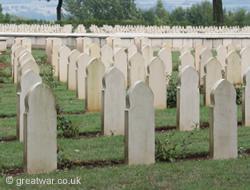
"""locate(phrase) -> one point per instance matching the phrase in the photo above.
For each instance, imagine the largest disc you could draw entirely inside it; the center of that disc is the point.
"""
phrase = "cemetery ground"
(99, 161)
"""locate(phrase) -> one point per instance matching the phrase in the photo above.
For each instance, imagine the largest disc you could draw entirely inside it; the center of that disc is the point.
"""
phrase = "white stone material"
(167, 47)
(166, 56)
(198, 48)
(117, 44)
(27, 65)
(107, 56)
(157, 82)
(233, 68)
(137, 69)
(63, 55)
(17, 53)
(28, 79)
(185, 49)
(188, 99)
(81, 64)
(245, 61)
(223, 121)
(95, 71)
(205, 55)
(144, 42)
(48, 48)
(139, 125)
(87, 42)
(26, 43)
(246, 99)
(121, 63)
(95, 51)
(221, 56)
(132, 49)
(40, 131)
(55, 51)
(147, 53)
(79, 44)
(231, 47)
(186, 59)
(113, 102)
(71, 77)
(212, 74)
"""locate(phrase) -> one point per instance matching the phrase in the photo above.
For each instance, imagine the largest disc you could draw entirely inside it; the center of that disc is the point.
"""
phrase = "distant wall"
(177, 41)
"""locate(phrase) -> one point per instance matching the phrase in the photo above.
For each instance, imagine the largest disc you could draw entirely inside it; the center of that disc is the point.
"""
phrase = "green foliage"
(238, 89)
(41, 59)
(3, 75)
(168, 150)
(172, 93)
(48, 78)
(63, 161)
(65, 125)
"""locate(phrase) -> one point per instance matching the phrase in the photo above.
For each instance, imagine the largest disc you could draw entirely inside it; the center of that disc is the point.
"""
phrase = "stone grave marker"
(95, 51)
(167, 47)
(48, 48)
(221, 55)
(63, 55)
(166, 58)
(157, 82)
(132, 49)
(17, 53)
(212, 74)
(40, 131)
(186, 59)
(184, 50)
(107, 55)
(198, 48)
(117, 44)
(223, 121)
(188, 99)
(26, 43)
(28, 79)
(95, 71)
(231, 47)
(246, 99)
(233, 68)
(87, 42)
(71, 77)
(136, 69)
(245, 61)
(121, 63)
(205, 55)
(113, 102)
(139, 125)
(148, 54)
(55, 63)
(81, 64)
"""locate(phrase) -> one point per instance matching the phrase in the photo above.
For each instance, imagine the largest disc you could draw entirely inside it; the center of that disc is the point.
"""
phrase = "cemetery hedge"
(98, 161)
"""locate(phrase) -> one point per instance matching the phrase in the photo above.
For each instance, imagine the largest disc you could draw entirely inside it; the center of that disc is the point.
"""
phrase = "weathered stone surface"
(212, 74)
(95, 71)
(188, 99)
(205, 55)
(184, 50)
(167, 47)
(137, 69)
(132, 49)
(40, 130)
(113, 102)
(26, 43)
(166, 57)
(15, 61)
(95, 51)
(198, 48)
(81, 64)
(71, 77)
(221, 56)
(186, 59)
(245, 61)
(157, 82)
(147, 53)
(223, 121)
(246, 98)
(63, 62)
(107, 56)
(48, 48)
(87, 42)
(231, 47)
(233, 68)
(139, 125)
(144, 42)
(121, 63)
(55, 51)
(28, 79)
(27, 65)
(117, 44)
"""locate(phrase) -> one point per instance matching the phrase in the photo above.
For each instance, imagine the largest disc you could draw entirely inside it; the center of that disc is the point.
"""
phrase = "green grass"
(202, 174)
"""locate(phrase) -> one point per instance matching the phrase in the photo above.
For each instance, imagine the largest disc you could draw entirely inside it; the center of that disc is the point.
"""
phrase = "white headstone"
(113, 102)
(188, 99)
(95, 71)
(95, 51)
(223, 121)
(205, 55)
(245, 61)
(186, 59)
(198, 49)
(139, 125)
(63, 55)
(132, 49)
(221, 55)
(107, 56)
(157, 82)
(40, 131)
(81, 64)
(71, 79)
(233, 68)
(246, 99)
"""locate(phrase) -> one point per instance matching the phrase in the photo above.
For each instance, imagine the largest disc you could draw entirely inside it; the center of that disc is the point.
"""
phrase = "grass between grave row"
(205, 174)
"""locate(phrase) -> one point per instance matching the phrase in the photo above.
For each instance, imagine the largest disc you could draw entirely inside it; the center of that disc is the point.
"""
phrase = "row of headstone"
(36, 28)
(167, 29)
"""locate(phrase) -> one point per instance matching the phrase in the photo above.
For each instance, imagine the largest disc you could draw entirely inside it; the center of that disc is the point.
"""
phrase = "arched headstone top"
(223, 88)
(138, 94)
(82, 58)
(112, 72)
(212, 61)
(93, 63)
(246, 76)
(186, 73)
(136, 57)
(155, 61)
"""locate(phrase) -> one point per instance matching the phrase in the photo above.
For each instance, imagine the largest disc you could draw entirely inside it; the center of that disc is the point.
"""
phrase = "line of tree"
(200, 14)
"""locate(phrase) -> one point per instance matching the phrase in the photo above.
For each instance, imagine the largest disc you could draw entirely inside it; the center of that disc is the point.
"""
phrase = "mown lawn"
(100, 159)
